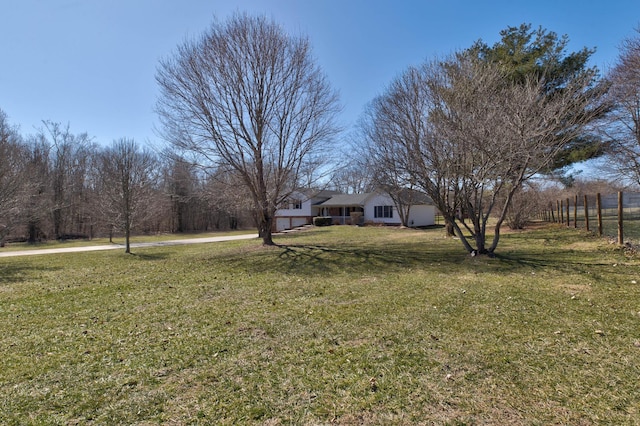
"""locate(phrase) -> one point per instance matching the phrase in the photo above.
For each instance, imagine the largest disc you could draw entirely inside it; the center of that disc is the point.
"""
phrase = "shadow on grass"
(552, 259)
(555, 249)
(17, 272)
(312, 260)
(150, 256)
(324, 260)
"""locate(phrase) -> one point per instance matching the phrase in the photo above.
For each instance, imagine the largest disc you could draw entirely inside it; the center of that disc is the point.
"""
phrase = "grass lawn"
(339, 325)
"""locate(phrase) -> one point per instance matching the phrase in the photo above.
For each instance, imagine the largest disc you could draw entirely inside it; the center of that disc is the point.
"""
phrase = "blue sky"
(91, 63)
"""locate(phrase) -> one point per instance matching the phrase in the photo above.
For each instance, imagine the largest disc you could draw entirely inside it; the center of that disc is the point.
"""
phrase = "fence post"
(620, 212)
(568, 214)
(575, 211)
(551, 215)
(561, 212)
(558, 210)
(599, 213)
(586, 213)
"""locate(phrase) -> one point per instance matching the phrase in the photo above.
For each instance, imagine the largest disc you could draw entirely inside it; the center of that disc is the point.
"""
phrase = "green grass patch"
(339, 325)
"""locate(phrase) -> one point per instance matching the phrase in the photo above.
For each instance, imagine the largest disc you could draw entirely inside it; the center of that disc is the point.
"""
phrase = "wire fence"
(616, 216)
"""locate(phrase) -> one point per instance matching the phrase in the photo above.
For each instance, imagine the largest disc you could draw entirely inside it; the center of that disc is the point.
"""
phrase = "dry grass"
(338, 325)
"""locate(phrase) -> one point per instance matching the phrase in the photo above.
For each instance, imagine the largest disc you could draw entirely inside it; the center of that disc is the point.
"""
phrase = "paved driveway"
(133, 245)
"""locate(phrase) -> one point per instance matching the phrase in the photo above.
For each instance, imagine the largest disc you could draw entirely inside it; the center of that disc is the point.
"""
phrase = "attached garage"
(283, 223)
(299, 221)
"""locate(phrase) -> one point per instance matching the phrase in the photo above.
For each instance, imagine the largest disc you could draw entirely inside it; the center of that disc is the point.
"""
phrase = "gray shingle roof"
(342, 200)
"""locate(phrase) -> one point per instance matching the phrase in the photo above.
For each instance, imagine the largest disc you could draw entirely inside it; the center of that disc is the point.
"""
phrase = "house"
(300, 208)
(355, 209)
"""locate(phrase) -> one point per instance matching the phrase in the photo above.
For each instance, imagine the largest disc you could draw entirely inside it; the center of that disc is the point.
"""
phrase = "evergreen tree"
(540, 55)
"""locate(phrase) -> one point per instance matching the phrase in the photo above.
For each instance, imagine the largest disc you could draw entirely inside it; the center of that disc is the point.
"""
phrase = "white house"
(379, 207)
(357, 209)
(300, 208)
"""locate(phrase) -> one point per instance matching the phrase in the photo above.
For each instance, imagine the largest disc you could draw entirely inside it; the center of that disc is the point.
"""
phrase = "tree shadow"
(296, 234)
(149, 256)
(446, 258)
(550, 251)
(16, 272)
(314, 260)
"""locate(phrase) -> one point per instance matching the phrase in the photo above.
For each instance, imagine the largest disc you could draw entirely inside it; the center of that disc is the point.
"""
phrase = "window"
(296, 204)
(383, 211)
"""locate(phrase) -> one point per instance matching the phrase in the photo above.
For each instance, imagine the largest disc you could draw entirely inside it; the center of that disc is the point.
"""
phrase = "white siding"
(419, 215)
(305, 211)
(380, 200)
(422, 215)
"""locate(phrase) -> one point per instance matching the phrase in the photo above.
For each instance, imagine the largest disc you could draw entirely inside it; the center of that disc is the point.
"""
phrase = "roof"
(414, 197)
(325, 193)
(342, 200)
(316, 193)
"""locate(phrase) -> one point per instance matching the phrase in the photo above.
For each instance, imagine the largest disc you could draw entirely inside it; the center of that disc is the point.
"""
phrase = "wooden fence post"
(558, 211)
(620, 212)
(568, 214)
(575, 211)
(599, 213)
(561, 212)
(586, 213)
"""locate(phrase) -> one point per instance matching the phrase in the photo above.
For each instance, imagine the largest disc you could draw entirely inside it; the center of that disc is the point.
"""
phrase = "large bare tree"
(249, 97)
(469, 137)
(625, 124)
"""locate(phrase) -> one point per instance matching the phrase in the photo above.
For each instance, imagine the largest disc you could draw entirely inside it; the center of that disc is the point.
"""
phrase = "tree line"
(57, 184)
(249, 116)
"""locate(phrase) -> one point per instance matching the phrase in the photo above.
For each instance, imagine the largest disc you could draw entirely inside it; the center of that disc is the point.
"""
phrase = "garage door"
(283, 223)
(298, 221)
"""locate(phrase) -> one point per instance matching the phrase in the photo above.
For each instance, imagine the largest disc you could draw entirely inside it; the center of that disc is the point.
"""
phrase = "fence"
(612, 215)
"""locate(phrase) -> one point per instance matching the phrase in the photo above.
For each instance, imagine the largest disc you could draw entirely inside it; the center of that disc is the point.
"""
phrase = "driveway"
(133, 245)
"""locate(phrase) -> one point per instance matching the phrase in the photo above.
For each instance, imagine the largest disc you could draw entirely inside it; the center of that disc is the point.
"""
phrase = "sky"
(91, 64)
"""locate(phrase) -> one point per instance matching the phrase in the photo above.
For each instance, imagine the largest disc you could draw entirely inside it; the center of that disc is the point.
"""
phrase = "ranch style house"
(353, 209)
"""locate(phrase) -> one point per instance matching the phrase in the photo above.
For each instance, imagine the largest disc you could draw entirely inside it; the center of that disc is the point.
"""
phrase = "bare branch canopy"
(248, 97)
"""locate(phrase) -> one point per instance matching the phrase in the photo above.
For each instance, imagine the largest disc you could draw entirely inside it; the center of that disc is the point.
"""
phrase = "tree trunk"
(127, 245)
(127, 235)
(448, 226)
(458, 232)
(32, 232)
(57, 223)
(265, 229)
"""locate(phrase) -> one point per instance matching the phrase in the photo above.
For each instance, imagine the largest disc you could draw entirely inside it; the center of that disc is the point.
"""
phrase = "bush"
(322, 221)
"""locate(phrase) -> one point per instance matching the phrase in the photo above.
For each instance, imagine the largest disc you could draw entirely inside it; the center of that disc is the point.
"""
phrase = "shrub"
(322, 221)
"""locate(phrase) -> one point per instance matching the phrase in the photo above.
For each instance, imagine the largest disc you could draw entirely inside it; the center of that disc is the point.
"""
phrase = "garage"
(283, 223)
(298, 221)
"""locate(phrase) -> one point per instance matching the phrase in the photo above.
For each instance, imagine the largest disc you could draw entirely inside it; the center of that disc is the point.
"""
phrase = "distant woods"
(57, 184)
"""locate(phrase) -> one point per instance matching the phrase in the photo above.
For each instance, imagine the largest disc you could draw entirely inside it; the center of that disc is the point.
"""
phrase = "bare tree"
(625, 118)
(128, 179)
(249, 97)
(352, 178)
(526, 203)
(36, 199)
(70, 155)
(469, 137)
(12, 175)
(180, 185)
(228, 199)
(388, 163)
